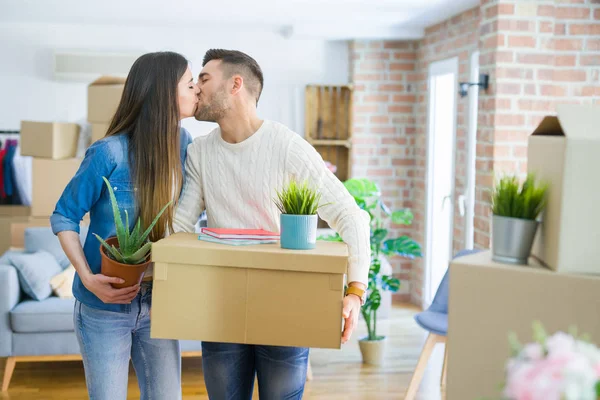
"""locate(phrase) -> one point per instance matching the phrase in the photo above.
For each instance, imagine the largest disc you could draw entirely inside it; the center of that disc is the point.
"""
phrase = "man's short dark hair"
(236, 62)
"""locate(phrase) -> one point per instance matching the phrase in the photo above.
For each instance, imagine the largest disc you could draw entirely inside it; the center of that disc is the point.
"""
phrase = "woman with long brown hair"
(142, 156)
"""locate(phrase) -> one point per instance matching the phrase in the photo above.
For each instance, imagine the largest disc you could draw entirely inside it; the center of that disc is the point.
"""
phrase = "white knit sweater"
(236, 184)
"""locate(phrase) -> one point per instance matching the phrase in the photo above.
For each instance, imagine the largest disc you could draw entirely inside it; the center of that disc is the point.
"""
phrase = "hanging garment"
(22, 172)
(2, 155)
(7, 164)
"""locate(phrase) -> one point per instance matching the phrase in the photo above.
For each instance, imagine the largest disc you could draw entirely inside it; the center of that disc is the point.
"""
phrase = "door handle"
(448, 197)
(462, 200)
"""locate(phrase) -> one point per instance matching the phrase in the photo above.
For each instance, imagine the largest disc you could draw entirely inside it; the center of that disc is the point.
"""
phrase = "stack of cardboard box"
(53, 146)
(104, 95)
(560, 285)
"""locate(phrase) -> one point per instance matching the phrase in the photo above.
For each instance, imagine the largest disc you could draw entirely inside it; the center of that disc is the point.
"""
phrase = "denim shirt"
(87, 192)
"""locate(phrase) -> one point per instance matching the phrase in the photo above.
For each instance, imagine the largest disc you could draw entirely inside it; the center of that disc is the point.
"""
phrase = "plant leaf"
(402, 217)
(298, 199)
(373, 300)
(362, 188)
(129, 244)
(147, 232)
(514, 344)
(378, 236)
(390, 283)
(403, 246)
(331, 238)
(119, 256)
(374, 270)
(114, 252)
(120, 229)
(139, 256)
(510, 198)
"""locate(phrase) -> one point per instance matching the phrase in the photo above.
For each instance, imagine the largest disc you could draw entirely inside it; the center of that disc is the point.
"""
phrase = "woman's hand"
(100, 285)
(96, 283)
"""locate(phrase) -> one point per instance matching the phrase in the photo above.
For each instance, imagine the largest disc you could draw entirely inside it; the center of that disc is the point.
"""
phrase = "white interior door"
(443, 88)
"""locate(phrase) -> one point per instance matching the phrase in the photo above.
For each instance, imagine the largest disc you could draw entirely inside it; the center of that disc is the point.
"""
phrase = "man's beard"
(214, 109)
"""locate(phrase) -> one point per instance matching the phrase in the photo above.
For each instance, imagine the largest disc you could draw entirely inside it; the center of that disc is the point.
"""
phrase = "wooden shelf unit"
(328, 124)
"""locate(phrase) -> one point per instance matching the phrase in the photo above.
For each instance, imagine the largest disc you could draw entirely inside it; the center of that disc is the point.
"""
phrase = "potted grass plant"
(126, 255)
(515, 209)
(298, 204)
(368, 197)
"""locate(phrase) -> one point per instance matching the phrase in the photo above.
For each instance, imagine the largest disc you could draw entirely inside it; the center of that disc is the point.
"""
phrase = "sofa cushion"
(50, 315)
(47, 343)
(35, 271)
(42, 238)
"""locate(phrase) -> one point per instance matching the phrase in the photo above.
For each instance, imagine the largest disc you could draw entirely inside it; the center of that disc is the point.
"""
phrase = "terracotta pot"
(373, 351)
(132, 274)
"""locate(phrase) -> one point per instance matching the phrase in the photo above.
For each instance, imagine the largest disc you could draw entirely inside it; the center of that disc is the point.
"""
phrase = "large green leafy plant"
(368, 197)
(512, 199)
(134, 246)
(298, 199)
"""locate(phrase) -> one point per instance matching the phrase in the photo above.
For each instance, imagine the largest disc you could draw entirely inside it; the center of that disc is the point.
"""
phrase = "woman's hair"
(149, 114)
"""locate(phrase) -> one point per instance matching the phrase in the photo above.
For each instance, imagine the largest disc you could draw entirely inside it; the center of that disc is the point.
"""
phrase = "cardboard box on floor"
(49, 179)
(54, 140)
(98, 131)
(259, 294)
(564, 150)
(104, 95)
(488, 300)
(9, 214)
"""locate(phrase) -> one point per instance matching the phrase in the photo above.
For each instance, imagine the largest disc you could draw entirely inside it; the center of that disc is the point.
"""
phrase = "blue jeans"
(109, 339)
(229, 371)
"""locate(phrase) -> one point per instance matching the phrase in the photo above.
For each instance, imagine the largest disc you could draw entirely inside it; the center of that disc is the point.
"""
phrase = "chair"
(434, 320)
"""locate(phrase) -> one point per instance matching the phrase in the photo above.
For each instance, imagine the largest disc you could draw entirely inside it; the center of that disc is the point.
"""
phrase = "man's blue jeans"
(229, 371)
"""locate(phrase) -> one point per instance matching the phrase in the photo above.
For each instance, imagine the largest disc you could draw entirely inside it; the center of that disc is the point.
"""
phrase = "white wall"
(28, 91)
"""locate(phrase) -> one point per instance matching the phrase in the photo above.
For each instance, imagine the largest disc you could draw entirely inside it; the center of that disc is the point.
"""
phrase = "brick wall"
(538, 54)
(384, 127)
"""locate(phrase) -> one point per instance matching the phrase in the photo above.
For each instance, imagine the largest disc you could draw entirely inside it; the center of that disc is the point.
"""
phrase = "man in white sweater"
(233, 173)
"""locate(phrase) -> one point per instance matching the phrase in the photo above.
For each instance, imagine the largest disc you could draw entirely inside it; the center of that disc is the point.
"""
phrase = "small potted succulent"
(127, 255)
(298, 204)
(515, 209)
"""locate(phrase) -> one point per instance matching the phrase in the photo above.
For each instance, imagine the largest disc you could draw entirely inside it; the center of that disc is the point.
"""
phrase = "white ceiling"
(326, 19)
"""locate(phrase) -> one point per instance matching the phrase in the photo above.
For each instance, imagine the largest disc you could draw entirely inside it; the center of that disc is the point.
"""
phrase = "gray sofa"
(32, 330)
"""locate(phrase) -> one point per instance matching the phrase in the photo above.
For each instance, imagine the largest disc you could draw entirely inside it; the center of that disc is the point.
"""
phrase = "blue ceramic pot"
(298, 232)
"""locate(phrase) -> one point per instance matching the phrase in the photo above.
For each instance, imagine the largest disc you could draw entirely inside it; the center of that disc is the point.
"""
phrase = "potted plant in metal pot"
(368, 197)
(515, 209)
(298, 204)
(127, 255)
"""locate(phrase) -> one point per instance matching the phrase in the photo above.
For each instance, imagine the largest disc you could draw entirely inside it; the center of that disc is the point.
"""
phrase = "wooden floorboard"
(338, 374)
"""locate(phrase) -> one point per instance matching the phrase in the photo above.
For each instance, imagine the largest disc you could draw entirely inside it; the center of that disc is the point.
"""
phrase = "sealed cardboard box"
(49, 179)
(259, 294)
(488, 300)
(53, 140)
(10, 214)
(564, 150)
(104, 95)
(98, 131)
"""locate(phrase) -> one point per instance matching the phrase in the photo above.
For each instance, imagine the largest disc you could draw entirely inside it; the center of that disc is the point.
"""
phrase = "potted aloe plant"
(298, 204)
(368, 197)
(515, 209)
(127, 255)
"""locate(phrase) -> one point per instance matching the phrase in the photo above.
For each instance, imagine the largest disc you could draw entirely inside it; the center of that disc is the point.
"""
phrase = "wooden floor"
(338, 375)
